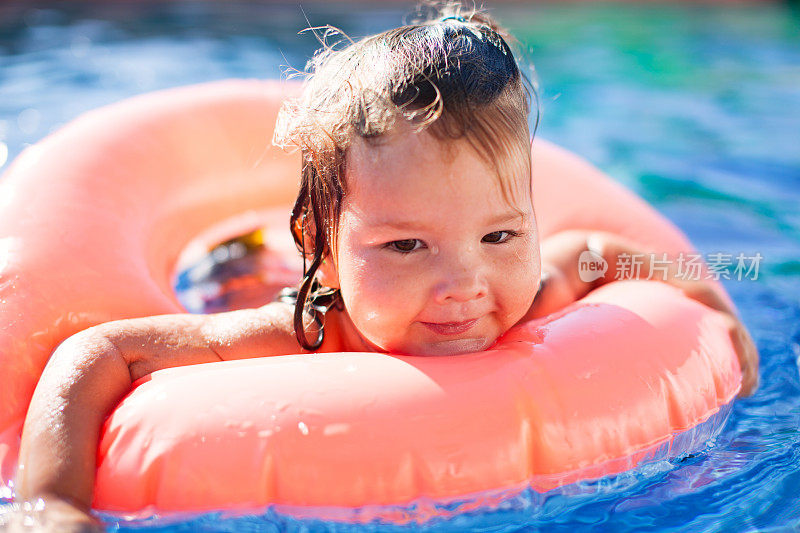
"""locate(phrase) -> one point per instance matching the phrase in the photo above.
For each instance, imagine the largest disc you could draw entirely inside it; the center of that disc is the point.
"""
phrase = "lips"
(450, 328)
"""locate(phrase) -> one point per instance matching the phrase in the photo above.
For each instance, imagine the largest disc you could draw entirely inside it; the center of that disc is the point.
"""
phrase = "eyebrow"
(507, 217)
(413, 225)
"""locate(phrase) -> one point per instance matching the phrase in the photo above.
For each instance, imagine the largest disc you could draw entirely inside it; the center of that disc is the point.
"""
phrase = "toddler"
(416, 220)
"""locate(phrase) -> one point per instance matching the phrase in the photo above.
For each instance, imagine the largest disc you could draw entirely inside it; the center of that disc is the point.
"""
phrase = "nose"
(461, 277)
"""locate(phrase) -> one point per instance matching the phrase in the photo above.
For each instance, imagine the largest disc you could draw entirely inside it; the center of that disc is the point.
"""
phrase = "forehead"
(414, 170)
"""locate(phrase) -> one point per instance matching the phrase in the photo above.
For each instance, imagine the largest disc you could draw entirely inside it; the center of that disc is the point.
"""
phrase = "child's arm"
(91, 371)
(563, 286)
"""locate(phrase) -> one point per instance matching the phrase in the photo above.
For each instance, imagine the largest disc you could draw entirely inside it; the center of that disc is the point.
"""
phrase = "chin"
(448, 347)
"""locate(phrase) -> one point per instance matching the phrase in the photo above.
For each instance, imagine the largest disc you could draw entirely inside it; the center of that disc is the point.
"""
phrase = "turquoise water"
(695, 108)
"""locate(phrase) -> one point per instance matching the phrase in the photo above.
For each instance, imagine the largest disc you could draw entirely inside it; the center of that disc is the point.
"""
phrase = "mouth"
(450, 328)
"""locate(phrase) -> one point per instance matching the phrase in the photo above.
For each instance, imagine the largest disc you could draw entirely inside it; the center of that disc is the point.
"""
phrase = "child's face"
(432, 258)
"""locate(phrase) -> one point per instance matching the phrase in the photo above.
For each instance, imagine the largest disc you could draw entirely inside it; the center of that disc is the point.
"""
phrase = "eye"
(498, 237)
(406, 245)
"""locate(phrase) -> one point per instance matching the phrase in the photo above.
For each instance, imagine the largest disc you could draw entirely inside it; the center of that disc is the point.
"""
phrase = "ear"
(328, 275)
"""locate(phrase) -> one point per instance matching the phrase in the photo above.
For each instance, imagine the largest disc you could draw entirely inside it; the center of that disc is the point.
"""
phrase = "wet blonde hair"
(452, 74)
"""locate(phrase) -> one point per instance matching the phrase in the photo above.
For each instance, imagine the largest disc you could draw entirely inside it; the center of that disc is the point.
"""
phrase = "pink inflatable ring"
(93, 218)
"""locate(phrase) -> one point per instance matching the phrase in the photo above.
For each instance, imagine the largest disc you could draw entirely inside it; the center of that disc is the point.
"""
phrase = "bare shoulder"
(152, 343)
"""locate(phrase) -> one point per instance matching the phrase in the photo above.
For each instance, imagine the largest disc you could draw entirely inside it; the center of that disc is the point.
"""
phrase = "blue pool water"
(696, 108)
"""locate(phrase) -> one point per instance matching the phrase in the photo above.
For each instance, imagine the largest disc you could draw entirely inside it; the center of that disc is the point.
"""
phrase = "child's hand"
(743, 343)
(563, 285)
(748, 355)
(51, 515)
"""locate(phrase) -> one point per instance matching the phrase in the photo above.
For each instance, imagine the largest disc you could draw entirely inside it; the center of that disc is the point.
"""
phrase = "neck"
(341, 335)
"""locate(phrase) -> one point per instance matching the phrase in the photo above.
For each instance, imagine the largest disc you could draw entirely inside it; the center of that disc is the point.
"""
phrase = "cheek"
(516, 279)
(368, 278)
(381, 298)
